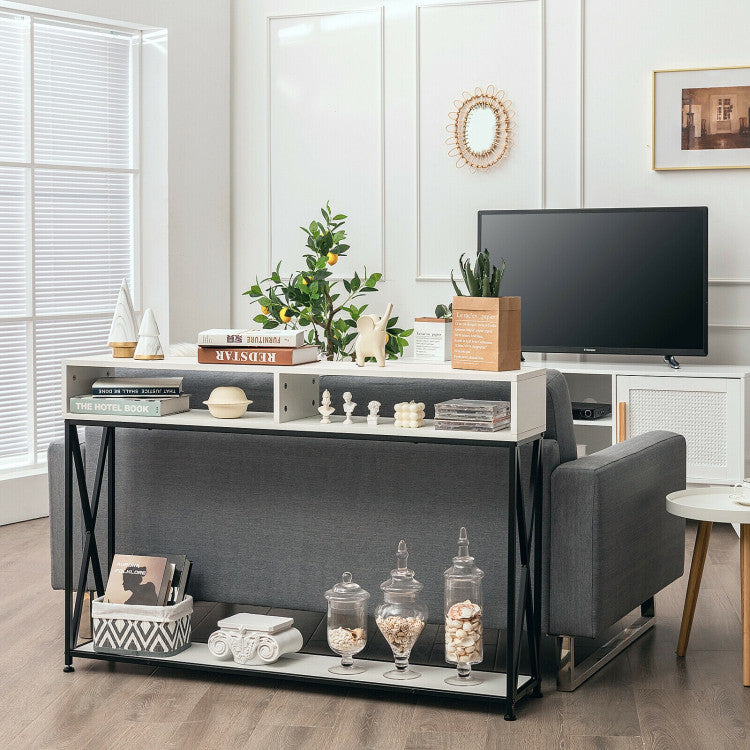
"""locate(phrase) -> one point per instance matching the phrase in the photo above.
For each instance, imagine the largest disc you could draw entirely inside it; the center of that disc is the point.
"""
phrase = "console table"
(296, 398)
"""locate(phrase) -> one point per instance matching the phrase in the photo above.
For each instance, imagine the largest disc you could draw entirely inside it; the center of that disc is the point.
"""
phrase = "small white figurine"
(409, 415)
(325, 408)
(349, 407)
(372, 338)
(122, 334)
(374, 407)
(149, 346)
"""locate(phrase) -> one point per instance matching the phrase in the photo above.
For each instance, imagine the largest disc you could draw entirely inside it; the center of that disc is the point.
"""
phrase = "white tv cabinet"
(708, 404)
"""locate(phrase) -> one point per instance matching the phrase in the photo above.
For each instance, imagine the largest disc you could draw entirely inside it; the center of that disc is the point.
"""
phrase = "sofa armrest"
(612, 543)
(56, 484)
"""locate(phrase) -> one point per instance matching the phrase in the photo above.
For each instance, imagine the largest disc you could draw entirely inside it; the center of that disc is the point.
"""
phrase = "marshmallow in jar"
(463, 614)
(409, 414)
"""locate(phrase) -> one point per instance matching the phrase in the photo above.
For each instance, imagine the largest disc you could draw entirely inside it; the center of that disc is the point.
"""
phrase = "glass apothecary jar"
(347, 623)
(401, 617)
(463, 614)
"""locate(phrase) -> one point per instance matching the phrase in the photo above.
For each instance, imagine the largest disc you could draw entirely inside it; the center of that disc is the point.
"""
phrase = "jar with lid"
(347, 623)
(463, 614)
(401, 617)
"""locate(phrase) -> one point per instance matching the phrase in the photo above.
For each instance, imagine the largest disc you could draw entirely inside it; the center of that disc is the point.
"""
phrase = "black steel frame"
(524, 562)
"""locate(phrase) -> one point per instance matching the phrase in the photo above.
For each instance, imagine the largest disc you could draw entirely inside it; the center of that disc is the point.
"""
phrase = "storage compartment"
(137, 630)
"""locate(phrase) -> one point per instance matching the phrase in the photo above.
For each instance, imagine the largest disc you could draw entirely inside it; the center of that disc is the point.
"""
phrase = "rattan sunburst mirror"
(481, 127)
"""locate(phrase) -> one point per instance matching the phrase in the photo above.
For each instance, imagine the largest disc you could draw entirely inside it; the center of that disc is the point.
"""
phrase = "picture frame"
(701, 118)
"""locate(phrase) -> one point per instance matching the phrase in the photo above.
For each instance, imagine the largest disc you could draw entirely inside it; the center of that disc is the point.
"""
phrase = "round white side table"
(709, 505)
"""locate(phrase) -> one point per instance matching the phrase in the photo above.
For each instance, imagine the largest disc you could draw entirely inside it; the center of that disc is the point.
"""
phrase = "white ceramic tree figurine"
(149, 346)
(122, 333)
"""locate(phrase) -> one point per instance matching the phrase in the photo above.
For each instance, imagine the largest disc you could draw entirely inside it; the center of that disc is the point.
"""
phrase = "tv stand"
(708, 404)
(671, 361)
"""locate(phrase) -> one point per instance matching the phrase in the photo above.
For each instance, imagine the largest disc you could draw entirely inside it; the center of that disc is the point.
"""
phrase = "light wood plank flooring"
(646, 698)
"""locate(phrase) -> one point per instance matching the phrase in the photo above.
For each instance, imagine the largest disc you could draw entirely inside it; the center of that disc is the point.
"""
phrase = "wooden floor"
(647, 697)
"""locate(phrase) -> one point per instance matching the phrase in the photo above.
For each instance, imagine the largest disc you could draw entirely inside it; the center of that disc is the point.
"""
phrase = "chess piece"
(374, 407)
(349, 407)
(149, 346)
(325, 408)
(122, 336)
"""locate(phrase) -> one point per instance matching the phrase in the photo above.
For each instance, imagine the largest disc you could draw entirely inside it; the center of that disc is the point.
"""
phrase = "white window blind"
(68, 180)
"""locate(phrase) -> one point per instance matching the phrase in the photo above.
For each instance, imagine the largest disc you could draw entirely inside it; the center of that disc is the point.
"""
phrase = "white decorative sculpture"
(349, 407)
(374, 407)
(254, 639)
(149, 346)
(122, 333)
(409, 415)
(372, 337)
(325, 408)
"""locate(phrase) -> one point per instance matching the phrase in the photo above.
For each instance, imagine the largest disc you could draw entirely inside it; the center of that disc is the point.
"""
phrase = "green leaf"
(339, 217)
(355, 283)
(459, 293)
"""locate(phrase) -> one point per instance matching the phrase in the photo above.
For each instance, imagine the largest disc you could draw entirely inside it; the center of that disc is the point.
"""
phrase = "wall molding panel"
(502, 170)
(330, 151)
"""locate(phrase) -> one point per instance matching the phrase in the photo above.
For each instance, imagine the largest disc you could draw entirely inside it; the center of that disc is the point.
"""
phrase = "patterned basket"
(136, 630)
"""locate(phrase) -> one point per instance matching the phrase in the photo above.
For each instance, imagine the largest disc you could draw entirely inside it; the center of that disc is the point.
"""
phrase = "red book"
(252, 355)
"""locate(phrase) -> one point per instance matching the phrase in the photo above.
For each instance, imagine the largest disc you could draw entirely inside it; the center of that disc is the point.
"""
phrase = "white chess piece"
(149, 346)
(374, 407)
(325, 407)
(349, 407)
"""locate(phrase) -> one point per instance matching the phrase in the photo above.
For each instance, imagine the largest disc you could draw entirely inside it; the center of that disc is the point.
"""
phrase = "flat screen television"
(605, 280)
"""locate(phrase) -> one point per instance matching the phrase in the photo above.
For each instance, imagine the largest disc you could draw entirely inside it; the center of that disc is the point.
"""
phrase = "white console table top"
(400, 368)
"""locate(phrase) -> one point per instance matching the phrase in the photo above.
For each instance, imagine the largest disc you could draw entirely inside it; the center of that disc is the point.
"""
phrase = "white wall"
(186, 265)
(581, 75)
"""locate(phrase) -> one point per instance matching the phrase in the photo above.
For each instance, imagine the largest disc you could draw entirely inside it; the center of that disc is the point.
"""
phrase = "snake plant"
(484, 280)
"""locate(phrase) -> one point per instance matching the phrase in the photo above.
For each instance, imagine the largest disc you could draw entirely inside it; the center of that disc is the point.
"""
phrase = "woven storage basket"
(136, 630)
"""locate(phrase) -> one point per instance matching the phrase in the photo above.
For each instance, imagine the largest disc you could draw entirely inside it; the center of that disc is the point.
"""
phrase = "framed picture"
(701, 119)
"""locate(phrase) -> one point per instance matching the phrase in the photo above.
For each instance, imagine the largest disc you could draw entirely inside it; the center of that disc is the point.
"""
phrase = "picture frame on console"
(712, 107)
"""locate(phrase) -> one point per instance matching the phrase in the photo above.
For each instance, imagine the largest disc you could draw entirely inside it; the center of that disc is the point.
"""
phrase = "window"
(68, 209)
(724, 109)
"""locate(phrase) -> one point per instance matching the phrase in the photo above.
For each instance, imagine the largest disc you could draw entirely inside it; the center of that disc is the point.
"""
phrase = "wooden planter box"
(486, 333)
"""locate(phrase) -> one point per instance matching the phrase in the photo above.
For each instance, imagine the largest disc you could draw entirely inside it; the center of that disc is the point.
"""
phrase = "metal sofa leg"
(570, 675)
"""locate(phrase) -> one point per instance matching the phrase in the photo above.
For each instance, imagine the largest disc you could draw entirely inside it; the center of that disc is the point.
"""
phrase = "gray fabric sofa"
(274, 520)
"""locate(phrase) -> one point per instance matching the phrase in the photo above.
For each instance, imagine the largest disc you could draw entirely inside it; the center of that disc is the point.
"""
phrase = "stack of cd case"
(472, 414)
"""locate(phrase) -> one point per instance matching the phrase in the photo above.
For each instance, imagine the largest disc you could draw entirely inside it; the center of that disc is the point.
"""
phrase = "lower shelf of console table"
(314, 668)
(312, 662)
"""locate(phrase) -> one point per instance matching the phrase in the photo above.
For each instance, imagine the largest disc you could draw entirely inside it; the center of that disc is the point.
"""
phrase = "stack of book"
(228, 346)
(153, 581)
(472, 415)
(133, 397)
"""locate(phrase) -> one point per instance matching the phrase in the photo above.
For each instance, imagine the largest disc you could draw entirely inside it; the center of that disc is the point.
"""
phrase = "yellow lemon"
(284, 314)
(264, 310)
(387, 336)
(332, 259)
(304, 281)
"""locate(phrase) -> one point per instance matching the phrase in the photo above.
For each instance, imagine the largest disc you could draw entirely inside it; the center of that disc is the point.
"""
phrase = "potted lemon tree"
(486, 326)
(311, 299)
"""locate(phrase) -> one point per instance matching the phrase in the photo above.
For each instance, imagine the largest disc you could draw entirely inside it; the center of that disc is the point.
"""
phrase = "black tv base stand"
(671, 361)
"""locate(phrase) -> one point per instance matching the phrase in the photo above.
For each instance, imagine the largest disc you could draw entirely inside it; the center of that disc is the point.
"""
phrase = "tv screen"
(607, 281)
